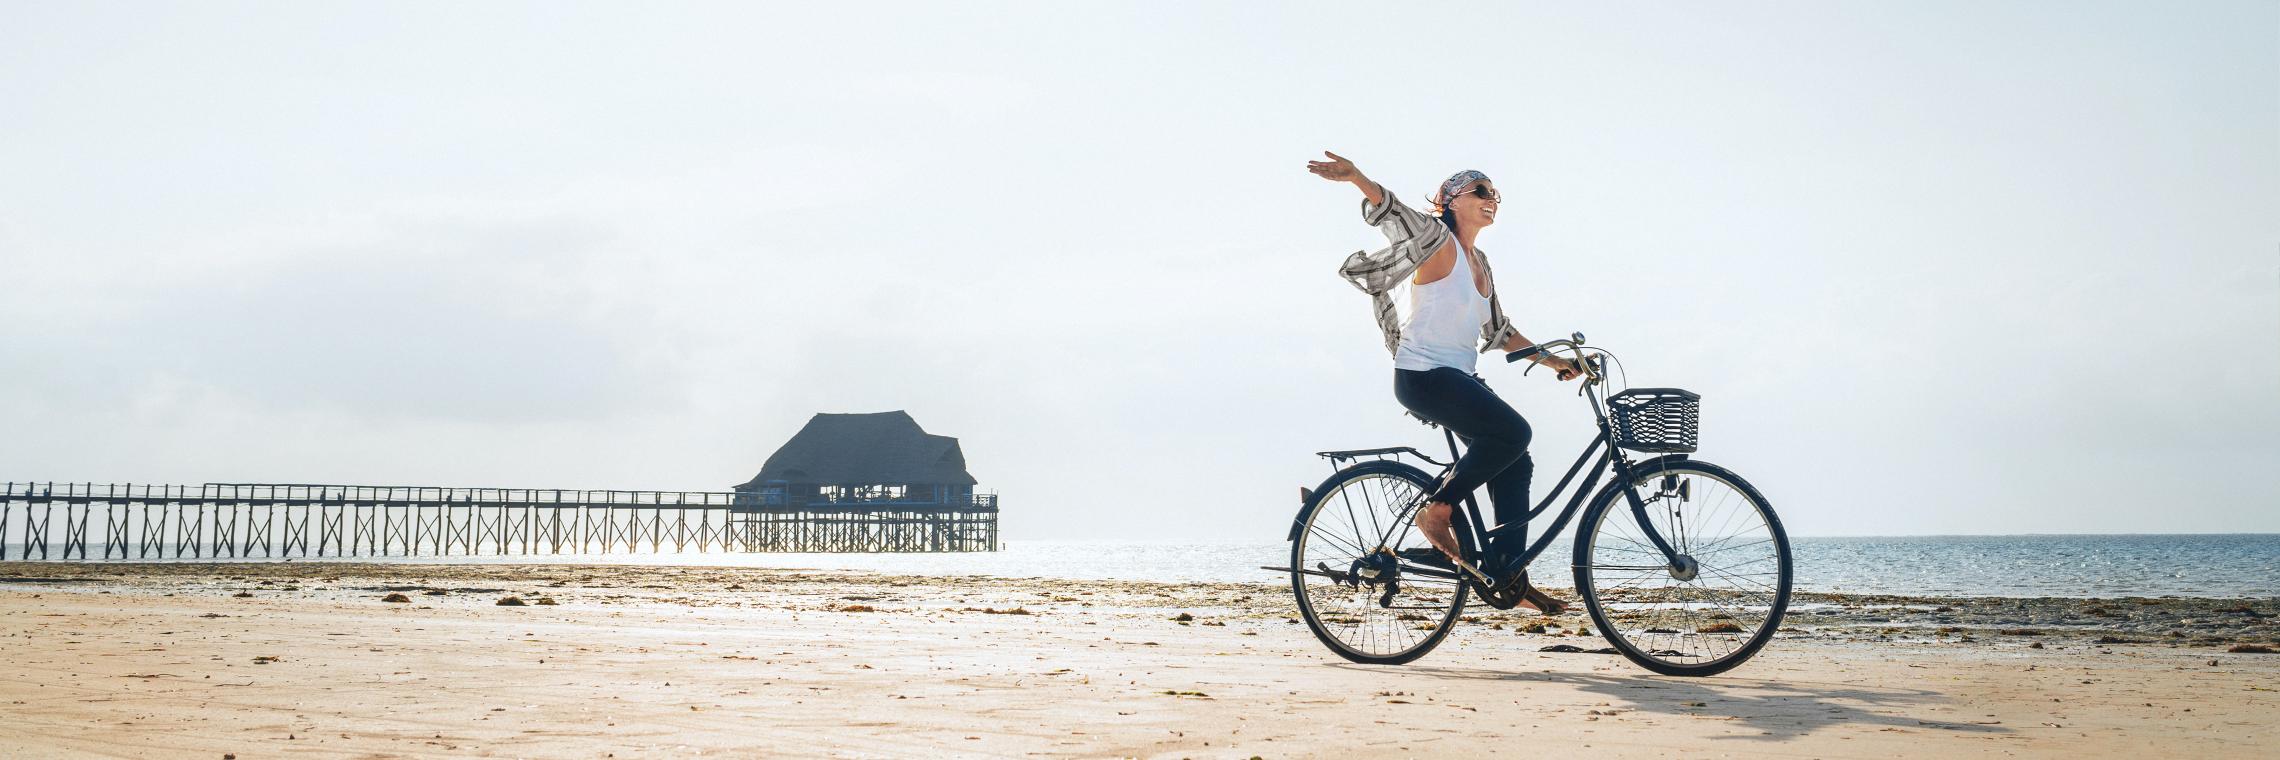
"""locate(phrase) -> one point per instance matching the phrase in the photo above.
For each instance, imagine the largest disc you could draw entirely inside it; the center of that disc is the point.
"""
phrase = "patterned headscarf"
(1456, 182)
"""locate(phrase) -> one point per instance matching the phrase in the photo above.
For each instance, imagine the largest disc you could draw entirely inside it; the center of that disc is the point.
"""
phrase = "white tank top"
(1444, 320)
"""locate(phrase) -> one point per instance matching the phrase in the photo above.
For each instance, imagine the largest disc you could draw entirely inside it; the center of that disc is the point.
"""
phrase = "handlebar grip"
(1522, 354)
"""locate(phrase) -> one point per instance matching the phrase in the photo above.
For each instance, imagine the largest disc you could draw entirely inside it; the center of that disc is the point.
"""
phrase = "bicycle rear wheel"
(1357, 525)
(1695, 623)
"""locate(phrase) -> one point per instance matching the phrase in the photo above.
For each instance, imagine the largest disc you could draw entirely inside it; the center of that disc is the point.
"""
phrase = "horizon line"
(1816, 535)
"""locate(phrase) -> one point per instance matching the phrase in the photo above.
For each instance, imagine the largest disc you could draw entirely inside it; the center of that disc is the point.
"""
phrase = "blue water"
(2226, 565)
(2222, 565)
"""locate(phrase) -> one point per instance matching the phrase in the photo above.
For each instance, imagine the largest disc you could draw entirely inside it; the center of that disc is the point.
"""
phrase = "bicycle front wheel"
(1694, 621)
(1357, 525)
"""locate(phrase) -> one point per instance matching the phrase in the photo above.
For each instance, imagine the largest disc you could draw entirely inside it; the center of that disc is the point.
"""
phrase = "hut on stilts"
(865, 483)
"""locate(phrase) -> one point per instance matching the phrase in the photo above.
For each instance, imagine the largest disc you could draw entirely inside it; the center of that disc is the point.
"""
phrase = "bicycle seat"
(1421, 420)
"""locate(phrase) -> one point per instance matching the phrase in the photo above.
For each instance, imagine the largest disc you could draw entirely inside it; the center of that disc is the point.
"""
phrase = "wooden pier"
(81, 521)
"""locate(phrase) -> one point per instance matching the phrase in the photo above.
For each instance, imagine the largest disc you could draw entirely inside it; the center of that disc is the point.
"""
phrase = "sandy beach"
(307, 659)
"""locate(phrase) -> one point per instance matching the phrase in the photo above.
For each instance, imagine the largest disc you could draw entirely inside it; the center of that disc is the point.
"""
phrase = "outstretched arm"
(1338, 169)
(1411, 237)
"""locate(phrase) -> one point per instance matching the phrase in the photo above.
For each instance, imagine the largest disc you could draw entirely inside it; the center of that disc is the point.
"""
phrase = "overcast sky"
(1935, 267)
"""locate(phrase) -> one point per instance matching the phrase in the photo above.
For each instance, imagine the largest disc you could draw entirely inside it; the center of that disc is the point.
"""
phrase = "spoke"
(1639, 578)
(1639, 548)
(1721, 507)
(1722, 549)
(1351, 520)
(1746, 563)
(1748, 532)
(1357, 550)
(1644, 547)
(1769, 589)
(1731, 514)
(1638, 542)
(1391, 490)
(1400, 507)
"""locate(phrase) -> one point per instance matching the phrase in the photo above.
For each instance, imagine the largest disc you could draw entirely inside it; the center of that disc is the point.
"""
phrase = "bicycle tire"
(1748, 582)
(1335, 496)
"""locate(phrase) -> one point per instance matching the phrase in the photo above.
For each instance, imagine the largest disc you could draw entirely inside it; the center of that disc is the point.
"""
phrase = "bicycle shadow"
(1779, 710)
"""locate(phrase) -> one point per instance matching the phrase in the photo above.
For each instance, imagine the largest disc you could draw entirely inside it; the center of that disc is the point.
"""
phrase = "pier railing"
(274, 520)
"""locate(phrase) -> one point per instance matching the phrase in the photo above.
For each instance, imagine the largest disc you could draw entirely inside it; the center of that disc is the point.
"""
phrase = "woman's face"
(1472, 209)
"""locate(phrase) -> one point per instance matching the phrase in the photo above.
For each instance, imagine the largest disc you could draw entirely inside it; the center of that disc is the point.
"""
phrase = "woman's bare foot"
(1433, 521)
(1535, 599)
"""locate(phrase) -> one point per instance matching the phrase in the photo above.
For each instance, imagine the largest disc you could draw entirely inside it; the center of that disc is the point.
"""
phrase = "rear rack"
(1350, 455)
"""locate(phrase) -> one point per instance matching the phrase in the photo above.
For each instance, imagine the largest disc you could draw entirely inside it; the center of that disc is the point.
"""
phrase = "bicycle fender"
(1658, 463)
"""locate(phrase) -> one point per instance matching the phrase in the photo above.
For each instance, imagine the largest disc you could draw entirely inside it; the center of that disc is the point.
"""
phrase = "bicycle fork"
(1683, 567)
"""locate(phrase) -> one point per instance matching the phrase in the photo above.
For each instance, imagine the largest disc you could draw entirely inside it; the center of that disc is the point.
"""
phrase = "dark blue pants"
(1496, 438)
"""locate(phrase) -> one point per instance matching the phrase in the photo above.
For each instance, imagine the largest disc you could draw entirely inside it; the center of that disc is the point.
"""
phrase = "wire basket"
(1656, 420)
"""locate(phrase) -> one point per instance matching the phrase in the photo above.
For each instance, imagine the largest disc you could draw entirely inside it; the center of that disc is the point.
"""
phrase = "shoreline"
(175, 659)
(2200, 622)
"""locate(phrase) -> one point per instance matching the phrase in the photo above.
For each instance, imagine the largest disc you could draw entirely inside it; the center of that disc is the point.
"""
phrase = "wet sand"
(262, 660)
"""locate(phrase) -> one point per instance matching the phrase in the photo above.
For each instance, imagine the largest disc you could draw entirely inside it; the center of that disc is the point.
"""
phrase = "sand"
(305, 659)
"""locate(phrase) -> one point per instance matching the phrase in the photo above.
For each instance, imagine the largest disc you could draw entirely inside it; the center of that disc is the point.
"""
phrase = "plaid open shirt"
(1413, 237)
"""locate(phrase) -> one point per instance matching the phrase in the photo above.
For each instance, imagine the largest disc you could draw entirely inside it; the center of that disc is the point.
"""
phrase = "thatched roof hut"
(865, 457)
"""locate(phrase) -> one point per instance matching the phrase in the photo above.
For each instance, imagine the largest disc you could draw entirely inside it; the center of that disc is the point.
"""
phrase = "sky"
(1935, 267)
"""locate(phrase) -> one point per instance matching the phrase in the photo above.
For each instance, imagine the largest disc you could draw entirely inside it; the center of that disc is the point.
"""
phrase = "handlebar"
(1573, 344)
(1540, 348)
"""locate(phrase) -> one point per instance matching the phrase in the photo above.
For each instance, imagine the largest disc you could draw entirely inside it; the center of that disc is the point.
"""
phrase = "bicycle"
(1690, 578)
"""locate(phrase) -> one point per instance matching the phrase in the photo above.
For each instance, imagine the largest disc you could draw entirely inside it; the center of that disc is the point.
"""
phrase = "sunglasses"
(1485, 193)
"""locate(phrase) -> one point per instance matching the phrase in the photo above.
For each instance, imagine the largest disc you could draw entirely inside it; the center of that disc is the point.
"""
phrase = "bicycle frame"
(1492, 556)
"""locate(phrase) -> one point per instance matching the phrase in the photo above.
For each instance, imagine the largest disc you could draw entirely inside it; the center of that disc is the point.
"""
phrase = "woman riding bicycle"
(1451, 302)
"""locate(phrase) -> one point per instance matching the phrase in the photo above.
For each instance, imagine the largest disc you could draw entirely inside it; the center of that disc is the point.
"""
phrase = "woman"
(1451, 302)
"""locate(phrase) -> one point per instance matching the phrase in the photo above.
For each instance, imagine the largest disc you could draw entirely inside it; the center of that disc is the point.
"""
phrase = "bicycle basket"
(1657, 420)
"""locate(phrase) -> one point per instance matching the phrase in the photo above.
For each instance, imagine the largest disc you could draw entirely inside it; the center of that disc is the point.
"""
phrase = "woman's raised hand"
(1337, 169)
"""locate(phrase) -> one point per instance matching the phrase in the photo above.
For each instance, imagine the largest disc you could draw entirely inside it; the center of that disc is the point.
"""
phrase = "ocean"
(2219, 565)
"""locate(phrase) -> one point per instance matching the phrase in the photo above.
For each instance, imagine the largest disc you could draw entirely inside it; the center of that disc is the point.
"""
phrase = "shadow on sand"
(1778, 709)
